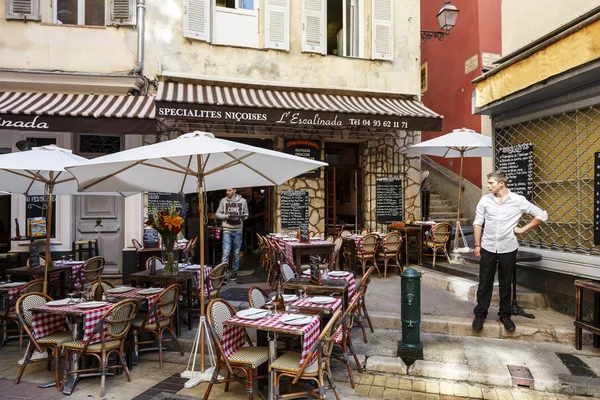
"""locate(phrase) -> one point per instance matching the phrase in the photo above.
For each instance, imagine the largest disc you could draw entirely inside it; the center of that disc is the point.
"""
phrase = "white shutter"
(196, 19)
(123, 12)
(23, 9)
(277, 22)
(382, 31)
(314, 15)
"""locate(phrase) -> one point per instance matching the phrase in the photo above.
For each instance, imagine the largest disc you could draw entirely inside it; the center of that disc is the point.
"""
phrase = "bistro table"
(234, 334)
(48, 319)
(8, 291)
(294, 250)
(339, 286)
(163, 280)
(416, 232)
(61, 270)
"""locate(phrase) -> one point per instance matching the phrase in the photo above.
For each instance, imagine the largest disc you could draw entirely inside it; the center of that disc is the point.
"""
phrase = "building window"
(80, 12)
(236, 4)
(424, 78)
(345, 28)
(99, 144)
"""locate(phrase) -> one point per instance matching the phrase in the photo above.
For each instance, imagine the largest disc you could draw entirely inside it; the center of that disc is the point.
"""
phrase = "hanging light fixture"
(447, 20)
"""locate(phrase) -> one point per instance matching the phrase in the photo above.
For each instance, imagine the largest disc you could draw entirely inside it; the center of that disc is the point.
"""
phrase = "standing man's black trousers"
(487, 270)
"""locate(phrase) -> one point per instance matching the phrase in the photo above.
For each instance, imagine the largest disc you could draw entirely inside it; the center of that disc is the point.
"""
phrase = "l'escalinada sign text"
(23, 122)
(274, 117)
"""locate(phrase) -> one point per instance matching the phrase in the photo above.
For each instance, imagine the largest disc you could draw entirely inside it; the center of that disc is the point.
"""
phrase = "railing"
(433, 165)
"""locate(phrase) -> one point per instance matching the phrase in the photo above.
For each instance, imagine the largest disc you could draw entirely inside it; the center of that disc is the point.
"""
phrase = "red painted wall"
(450, 90)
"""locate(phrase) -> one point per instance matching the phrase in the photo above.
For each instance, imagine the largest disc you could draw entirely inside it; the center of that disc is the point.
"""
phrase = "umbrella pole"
(460, 178)
(48, 232)
(201, 240)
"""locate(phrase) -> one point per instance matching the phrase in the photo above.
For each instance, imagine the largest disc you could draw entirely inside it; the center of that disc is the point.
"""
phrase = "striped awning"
(267, 106)
(77, 112)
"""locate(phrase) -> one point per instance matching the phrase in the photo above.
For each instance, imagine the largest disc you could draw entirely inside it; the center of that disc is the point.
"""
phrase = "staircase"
(441, 210)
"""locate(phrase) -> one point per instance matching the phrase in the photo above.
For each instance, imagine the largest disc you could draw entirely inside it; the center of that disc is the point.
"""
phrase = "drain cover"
(575, 365)
(521, 376)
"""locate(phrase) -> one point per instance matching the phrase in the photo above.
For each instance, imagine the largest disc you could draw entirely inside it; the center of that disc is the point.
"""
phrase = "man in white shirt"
(501, 211)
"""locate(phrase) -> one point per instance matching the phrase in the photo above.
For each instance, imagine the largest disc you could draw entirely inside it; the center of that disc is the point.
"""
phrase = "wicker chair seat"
(139, 321)
(290, 362)
(56, 338)
(382, 254)
(96, 347)
(253, 356)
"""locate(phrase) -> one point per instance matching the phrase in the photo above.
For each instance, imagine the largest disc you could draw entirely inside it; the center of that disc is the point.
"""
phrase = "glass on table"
(8, 279)
(270, 307)
(64, 258)
(300, 294)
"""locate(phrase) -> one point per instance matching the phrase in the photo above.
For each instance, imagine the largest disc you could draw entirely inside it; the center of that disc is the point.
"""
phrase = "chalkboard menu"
(596, 199)
(315, 272)
(517, 162)
(151, 239)
(304, 233)
(35, 207)
(163, 200)
(305, 149)
(388, 194)
(294, 208)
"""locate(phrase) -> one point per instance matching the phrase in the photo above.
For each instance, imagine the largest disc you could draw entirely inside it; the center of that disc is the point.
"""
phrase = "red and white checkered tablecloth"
(334, 306)
(349, 278)
(76, 274)
(234, 336)
(150, 298)
(208, 282)
(11, 292)
(47, 322)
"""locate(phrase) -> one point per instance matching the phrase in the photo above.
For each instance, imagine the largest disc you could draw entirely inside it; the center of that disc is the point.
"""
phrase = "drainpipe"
(141, 10)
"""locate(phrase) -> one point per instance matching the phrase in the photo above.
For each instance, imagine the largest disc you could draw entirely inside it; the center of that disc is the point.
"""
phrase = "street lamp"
(447, 19)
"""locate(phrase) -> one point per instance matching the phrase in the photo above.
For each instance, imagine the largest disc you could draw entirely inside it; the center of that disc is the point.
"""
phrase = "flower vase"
(170, 255)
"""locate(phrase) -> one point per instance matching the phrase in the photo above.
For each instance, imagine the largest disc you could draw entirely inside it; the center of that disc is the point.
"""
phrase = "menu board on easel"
(162, 200)
(517, 162)
(597, 199)
(388, 195)
(36, 207)
(315, 272)
(294, 208)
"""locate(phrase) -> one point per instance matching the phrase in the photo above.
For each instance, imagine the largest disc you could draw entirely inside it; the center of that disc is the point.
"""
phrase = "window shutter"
(277, 21)
(313, 26)
(196, 19)
(123, 12)
(23, 9)
(382, 32)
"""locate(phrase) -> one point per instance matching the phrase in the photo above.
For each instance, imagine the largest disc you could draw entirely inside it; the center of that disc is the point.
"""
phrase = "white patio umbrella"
(193, 163)
(459, 143)
(41, 171)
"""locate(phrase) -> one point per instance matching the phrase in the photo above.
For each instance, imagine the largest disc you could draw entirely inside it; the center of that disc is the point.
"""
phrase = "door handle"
(99, 222)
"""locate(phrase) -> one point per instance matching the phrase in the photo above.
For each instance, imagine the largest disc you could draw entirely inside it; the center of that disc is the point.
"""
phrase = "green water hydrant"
(411, 347)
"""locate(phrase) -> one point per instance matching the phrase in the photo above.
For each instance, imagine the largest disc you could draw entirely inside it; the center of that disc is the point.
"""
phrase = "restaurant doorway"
(262, 223)
(343, 188)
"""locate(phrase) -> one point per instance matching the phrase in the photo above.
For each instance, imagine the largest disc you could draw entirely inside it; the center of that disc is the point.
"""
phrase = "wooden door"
(99, 218)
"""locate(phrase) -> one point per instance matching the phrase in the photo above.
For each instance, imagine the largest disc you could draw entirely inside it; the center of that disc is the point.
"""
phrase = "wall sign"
(294, 208)
(306, 149)
(35, 207)
(273, 117)
(517, 162)
(471, 64)
(58, 123)
(597, 198)
(162, 200)
(388, 195)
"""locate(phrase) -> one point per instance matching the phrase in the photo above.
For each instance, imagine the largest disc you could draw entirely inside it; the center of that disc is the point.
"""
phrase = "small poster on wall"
(305, 149)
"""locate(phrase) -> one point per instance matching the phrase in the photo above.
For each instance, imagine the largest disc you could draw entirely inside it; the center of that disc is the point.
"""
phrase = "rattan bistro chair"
(366, 250)
(164, 311)
(159, 263)
(391, 245)
(343, 339)
(216, 279)
(314, 368)
(246, 359)
(9, 314)
(118, 321)
(106, 286)
(50, 343)
(136, 243)
(438, 239)
(257, 297)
